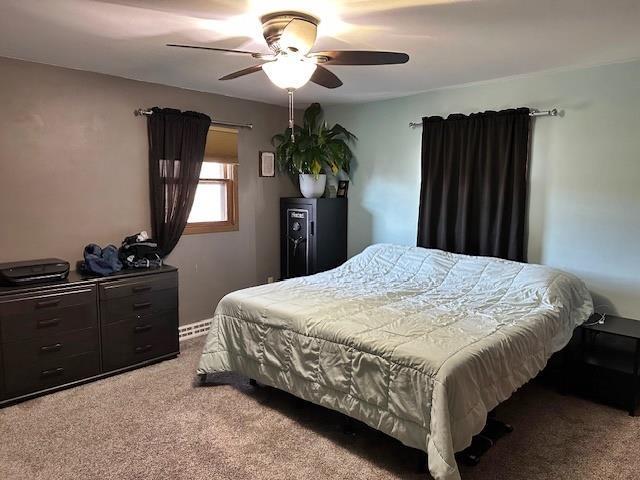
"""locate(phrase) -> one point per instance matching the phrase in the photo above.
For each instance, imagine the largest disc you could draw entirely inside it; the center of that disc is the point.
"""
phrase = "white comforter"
(418, 343)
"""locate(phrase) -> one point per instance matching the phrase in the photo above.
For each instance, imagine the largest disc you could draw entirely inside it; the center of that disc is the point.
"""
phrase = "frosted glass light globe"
(289, 72)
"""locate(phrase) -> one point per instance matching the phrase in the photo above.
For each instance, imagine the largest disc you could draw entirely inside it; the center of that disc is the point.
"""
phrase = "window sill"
(210, 227)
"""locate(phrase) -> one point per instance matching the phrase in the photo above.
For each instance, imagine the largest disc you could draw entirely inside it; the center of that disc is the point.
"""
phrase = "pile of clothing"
(137, 251)
(101, 261)
(140, 251)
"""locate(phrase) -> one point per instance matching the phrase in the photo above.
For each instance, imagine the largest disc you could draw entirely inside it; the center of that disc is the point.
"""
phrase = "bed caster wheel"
(484, 442)
(253, 383)
(495, 429)
(469, 459)
(471, 455)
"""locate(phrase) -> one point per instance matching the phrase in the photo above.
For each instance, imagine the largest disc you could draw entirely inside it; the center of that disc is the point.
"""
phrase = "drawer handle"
(48, 303)
(48, 323)
(54, 372)
(56, 347)
(142, 328)
(141, 288)
(140, 306)
(146, 348)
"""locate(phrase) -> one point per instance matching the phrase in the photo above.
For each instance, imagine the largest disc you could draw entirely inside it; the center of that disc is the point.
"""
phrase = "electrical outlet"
(269, 279)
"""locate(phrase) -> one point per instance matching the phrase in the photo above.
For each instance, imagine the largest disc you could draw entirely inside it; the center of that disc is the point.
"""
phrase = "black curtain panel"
(474, 183)
(176, 149)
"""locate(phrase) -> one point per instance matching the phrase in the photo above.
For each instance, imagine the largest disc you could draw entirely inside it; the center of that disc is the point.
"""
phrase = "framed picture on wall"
(343, 187)
(267, 164)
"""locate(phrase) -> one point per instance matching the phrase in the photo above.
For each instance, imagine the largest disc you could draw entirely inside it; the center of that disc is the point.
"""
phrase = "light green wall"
(585, 171)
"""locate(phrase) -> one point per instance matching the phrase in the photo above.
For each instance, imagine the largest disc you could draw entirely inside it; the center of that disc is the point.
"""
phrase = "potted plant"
(313, 148)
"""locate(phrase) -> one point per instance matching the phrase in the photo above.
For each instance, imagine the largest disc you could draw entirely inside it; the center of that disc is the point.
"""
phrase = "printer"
(33, 271)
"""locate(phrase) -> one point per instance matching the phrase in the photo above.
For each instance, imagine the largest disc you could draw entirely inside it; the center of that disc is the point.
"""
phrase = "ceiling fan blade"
(225, 50)
(326, 78)
(361, 57)
(244, 71)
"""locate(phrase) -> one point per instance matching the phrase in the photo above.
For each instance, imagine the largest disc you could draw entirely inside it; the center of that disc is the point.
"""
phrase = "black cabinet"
(313, 235)
(60, 334)
(612, 346)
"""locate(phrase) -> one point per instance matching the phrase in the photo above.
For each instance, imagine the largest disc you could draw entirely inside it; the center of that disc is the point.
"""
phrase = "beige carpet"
(154, 423)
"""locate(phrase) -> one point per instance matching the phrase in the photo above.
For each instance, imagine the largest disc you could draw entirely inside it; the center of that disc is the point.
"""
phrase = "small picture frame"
(267, 164)
(343, 188)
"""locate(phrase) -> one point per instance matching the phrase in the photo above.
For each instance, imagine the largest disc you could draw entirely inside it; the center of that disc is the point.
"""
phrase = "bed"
(420, 344)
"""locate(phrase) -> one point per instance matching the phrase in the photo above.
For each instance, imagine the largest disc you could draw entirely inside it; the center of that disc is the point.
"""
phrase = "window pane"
(166, 167)
(213, 170)
(210, 204)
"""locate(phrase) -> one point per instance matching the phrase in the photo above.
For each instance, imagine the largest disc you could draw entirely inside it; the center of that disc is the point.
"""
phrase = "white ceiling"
(450, 41)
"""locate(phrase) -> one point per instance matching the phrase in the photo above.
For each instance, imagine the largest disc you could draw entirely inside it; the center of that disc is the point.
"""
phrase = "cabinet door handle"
(48, 323)
(56, 347)
(48, 303)
(140, 306)
(146, 348)
(141, 288)
(54, 372)
(312, 229)
(142, 328)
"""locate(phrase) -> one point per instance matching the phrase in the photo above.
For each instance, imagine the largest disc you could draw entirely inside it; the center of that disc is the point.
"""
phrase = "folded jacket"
(150, 261)
(140, 249)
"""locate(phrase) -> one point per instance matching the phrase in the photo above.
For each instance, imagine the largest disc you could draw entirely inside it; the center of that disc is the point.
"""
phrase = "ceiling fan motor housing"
(290, 32)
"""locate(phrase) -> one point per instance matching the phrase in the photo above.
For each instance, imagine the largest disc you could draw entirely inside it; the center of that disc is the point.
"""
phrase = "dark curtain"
(474, 183)
(176, 149)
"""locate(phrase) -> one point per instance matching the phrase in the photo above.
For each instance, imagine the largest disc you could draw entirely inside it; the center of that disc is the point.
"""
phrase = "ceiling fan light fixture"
(289, 72)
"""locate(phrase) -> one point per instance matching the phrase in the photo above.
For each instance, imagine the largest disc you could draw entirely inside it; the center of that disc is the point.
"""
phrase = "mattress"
(420, 344)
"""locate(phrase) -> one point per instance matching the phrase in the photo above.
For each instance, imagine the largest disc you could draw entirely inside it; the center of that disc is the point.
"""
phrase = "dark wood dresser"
(57, 335)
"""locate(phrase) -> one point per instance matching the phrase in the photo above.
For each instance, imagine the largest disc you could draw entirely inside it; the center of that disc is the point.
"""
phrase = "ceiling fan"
(291, 64)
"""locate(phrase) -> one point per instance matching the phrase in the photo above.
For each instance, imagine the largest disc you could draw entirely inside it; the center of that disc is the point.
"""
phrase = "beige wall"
(73, 170)
(584, 197)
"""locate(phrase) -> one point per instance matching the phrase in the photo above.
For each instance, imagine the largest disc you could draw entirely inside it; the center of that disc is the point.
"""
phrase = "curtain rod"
(533, 113)
(143, 111)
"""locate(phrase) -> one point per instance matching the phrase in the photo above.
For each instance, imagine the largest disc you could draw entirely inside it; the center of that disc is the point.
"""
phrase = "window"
(215, 207)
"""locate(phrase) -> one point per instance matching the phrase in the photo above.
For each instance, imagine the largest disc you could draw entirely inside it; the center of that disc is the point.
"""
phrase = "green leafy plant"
(314, 146)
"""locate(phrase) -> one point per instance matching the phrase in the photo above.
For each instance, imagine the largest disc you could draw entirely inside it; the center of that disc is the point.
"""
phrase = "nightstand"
(614, 345)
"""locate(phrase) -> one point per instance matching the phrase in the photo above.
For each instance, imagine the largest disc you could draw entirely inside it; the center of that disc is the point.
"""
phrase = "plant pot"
(312, 186)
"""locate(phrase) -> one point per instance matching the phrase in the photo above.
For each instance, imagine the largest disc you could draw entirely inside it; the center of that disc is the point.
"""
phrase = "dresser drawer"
(142, 305)
(44, 315)
(41, 376)
(135, 340)
(46, 352)
(3, 391)
(49, 301)
(143, 284)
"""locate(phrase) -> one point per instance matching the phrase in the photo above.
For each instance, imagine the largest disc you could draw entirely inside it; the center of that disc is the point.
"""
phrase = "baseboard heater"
(196, 329)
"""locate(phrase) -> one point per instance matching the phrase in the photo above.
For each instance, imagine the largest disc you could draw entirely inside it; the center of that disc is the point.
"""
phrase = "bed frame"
(493, 431)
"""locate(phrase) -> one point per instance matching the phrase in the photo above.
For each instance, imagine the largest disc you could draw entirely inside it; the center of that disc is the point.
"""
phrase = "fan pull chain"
(290, 91)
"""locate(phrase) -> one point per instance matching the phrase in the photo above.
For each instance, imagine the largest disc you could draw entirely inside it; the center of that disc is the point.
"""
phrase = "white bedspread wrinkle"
(417, 343)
